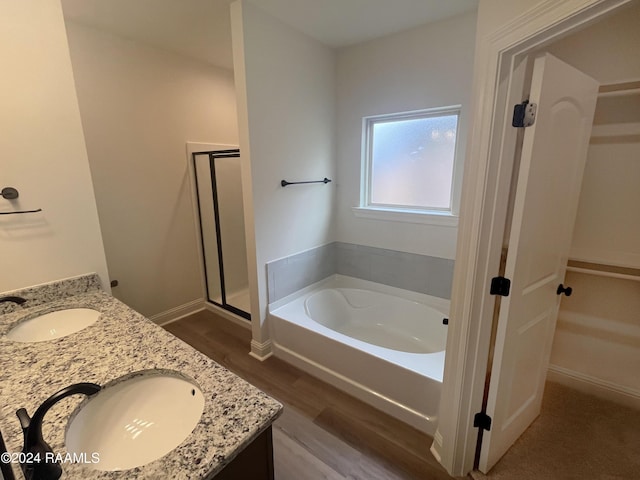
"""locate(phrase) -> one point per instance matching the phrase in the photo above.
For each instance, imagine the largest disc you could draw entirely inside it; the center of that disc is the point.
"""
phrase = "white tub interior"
(372, 318)
(381, 344)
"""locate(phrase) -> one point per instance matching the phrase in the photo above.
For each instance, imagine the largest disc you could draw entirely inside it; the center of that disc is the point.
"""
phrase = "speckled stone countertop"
(119, 343)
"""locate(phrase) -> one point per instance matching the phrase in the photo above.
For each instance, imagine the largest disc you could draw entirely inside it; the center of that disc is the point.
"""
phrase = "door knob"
(566, 290)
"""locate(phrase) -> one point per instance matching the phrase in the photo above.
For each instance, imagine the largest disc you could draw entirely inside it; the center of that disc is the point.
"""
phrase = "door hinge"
(500, 286)
(482, 420)
(524, 114)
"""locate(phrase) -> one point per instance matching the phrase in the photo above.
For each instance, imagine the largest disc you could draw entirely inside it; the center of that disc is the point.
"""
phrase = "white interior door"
(554, 151)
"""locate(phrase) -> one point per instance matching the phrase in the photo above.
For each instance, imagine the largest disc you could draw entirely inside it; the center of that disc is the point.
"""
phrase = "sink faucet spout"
(37, 451)
(14, 299)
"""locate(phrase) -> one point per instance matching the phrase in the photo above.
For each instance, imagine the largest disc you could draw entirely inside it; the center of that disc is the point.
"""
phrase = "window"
(409, 166)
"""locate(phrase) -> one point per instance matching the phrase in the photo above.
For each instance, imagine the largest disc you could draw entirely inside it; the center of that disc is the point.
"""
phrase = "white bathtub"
(381, 344)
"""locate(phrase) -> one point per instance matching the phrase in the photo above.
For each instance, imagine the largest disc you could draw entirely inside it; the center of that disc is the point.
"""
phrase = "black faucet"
(18, 300)
(40, 461)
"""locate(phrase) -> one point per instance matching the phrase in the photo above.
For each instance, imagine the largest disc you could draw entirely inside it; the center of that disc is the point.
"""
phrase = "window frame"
(411, 214)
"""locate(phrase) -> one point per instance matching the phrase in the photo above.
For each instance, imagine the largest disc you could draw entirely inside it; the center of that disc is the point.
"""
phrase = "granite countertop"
(121, 342)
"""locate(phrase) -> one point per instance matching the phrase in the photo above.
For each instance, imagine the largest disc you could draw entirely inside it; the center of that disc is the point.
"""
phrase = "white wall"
(493, 14)
(139, 107)
(43, 154)
(596, 347)
(425, 67)
(286, 92)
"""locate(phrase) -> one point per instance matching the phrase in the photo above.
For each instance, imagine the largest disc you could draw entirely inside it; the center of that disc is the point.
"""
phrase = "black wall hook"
(9, 193)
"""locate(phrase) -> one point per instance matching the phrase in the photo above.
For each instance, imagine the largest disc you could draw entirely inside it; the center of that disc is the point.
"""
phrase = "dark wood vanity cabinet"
(255, 462)
(5, 468)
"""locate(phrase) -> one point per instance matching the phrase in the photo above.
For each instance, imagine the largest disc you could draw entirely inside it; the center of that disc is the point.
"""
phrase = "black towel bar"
(284, 183)
(21, 211)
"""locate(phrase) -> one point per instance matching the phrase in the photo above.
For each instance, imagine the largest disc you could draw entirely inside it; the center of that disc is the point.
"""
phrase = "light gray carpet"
(577, 436)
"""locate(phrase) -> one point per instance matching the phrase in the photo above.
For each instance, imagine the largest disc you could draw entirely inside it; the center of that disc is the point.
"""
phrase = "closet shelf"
(630, 87)
(620, 93)
(615, 130)
(604, 270)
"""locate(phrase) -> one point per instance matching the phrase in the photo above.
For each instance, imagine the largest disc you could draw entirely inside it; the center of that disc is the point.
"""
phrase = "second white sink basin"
(50, 326)
(135, 421)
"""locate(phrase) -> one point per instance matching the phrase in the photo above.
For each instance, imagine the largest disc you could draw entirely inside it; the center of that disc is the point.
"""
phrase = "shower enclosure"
(219, 194)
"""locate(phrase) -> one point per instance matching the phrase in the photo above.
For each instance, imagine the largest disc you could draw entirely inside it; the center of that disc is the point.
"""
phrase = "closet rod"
(604, 269)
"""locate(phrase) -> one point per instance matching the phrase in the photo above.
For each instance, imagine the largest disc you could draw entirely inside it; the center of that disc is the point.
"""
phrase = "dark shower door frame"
(233, 153)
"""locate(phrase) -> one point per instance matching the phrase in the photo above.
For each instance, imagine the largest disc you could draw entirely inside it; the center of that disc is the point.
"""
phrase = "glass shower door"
(219, 191)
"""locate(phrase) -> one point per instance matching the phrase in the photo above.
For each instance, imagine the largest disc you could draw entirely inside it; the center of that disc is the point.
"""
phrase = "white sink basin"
(53, 325)
(135, 421)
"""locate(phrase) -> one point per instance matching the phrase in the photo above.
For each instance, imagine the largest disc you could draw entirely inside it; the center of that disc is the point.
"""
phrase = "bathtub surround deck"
(323, 433)
(119, 343)
(408, 271)
(288, 275)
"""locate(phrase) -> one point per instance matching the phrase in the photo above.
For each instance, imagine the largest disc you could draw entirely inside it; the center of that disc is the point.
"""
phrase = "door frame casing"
(483, 216)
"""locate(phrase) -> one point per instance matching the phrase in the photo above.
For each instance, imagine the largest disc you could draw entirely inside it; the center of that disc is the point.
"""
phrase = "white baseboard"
(181, 311)
(436, 446)
(597, 387)
(261, 351)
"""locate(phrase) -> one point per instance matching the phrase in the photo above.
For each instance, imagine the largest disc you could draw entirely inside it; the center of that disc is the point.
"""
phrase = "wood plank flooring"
(323, 432)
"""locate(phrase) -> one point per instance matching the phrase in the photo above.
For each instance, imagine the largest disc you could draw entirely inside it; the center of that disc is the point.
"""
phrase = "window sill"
(442, 219)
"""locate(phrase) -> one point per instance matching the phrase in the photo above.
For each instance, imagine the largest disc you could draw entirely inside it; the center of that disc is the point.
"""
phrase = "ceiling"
(339, 23)
(201, 28)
